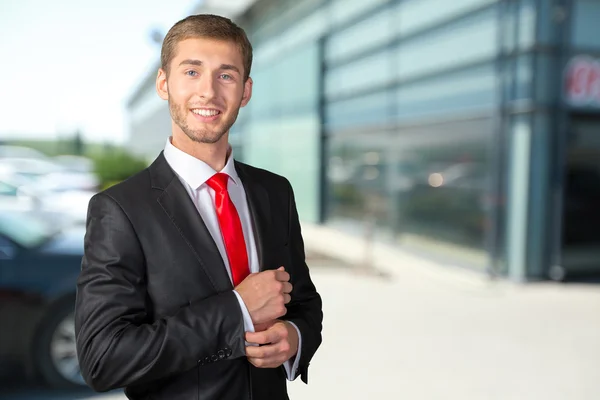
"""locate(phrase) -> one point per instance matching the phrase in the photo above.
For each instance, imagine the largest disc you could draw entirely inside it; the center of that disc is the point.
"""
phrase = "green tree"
(117, 165)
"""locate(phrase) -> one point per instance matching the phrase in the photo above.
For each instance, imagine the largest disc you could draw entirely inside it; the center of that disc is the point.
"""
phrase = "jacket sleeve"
(305, 308)
(118, 343)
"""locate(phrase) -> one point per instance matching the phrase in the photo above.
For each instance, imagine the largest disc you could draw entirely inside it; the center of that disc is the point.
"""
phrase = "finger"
(282, 268)
(264, 325)
(287, 298)
(287, 287)
(264, 352)
(267, 336)
(272, 362)
(282, 276)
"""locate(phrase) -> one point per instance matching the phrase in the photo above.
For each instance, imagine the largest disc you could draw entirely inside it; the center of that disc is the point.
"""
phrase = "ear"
(247, 92)
(161, 84)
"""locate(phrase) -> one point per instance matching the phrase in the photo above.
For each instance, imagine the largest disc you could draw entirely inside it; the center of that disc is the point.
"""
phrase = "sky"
(68, 65)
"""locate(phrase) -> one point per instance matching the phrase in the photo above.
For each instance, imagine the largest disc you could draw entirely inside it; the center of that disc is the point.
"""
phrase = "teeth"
(205, 113)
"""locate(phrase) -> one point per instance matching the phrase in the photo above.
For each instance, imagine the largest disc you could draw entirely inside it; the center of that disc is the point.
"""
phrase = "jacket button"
(221, 354)
(201, 362)
(214, 358)
(228, 352)
(207, 360)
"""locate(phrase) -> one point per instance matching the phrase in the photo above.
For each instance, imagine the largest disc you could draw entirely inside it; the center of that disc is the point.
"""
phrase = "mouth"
(206, 114)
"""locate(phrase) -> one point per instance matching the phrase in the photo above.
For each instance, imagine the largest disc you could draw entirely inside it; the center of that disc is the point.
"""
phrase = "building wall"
(438, 120)
(408, 93)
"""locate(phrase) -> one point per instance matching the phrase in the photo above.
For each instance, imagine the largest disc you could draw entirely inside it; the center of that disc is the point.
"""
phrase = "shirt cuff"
(290, 369)
(248, 324)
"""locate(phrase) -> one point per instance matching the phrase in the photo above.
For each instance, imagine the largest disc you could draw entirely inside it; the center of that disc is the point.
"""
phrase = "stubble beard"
(179, 114)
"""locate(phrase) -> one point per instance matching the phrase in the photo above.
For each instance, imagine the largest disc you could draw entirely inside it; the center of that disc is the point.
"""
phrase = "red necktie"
(231, 228)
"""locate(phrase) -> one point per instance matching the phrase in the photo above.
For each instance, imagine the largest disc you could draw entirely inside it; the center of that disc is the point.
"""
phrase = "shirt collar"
(193, 171)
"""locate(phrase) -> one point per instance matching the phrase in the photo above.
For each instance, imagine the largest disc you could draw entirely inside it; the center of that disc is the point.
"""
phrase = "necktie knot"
(218, 182)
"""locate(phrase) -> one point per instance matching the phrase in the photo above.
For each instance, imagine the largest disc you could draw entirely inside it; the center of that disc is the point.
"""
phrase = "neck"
(213, 154)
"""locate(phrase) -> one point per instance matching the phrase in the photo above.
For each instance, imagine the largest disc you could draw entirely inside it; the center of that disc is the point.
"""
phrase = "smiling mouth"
(203, 112)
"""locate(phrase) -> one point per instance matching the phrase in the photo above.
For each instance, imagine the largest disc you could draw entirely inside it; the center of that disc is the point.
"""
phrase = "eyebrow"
(223, 67)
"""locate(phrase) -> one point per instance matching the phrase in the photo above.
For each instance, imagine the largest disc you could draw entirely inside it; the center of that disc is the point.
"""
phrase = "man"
(194, 283)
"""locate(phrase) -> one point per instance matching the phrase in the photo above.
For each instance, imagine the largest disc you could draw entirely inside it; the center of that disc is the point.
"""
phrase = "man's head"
(204, 74)
(206, 26)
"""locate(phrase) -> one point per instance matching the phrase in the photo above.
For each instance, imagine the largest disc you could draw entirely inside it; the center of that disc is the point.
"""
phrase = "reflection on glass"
(428, 182)
(581, 213)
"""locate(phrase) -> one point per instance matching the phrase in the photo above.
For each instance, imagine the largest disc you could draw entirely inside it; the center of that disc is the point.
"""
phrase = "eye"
(227, 77)
(191, 73)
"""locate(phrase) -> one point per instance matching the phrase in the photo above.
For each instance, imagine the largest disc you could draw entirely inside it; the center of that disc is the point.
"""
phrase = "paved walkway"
(430, 332)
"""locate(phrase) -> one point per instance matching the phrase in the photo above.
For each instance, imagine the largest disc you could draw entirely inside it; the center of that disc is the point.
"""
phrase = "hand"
(280, 343)
(265, 294)
(265, 325)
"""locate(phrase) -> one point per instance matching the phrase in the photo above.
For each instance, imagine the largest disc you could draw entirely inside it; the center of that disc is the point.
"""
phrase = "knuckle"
(285, 347)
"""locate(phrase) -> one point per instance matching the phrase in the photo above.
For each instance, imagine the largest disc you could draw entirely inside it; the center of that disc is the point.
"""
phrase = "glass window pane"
(366, 34)
(581, 215)
(356, 179)
(288, 146)
(508, 25)
(371, 109)
(299, 72)
(462, 43)
(585, 24)
(547, 18)
(415, 15)
(288, 86)
(344, 10)
(472, 89)
(365, 73)
(524, 77)
(527, 23)
(426, 186)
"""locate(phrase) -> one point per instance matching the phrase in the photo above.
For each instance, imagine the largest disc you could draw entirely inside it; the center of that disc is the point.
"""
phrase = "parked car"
(75, 163)
(49, 174)
(10, 151)
(39, 265)
(67, 207)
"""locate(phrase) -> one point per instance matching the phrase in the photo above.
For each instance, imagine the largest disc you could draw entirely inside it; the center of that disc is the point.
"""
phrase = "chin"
(210, 138)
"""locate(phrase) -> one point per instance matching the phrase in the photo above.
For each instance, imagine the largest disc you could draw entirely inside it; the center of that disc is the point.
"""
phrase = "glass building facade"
(466, 129)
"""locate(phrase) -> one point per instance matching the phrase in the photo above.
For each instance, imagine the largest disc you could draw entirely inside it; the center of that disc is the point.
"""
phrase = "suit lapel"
(176, 202)
(259, 207)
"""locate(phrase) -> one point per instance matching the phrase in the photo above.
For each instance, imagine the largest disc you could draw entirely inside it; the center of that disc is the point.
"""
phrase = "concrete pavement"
(434, 333)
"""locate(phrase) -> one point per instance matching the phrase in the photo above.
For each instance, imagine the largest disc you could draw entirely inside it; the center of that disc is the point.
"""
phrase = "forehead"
(208, 51)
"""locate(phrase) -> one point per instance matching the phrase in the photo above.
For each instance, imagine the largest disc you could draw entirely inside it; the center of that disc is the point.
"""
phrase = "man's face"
(205, 88)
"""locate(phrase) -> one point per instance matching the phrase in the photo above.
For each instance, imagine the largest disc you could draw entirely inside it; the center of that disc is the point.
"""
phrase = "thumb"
(282, 268)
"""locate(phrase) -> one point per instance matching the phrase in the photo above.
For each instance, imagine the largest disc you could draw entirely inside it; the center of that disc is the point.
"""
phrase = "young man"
(194, 283)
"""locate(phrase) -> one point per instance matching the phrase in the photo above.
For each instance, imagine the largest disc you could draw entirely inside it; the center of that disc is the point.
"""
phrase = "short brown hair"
(206, 26)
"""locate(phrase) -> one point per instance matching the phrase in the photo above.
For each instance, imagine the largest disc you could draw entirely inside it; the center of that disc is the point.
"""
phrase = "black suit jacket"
(155, 310)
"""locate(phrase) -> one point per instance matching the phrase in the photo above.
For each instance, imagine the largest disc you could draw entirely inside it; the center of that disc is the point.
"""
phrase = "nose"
(206, 86)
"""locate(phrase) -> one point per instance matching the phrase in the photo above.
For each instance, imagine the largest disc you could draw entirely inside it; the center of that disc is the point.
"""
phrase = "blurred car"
(22, 194)
(39, 265)
(50, 175)
(10, 151)
(75, 163)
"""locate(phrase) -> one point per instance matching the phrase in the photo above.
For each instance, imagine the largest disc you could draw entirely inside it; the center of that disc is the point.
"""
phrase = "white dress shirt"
(193, 174)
